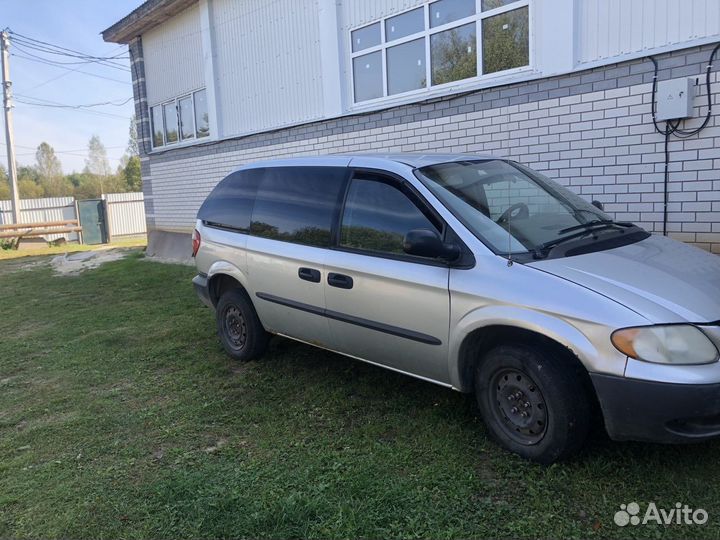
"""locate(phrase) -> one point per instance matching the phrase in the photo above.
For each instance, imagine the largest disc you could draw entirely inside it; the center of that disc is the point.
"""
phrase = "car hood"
(661, 279)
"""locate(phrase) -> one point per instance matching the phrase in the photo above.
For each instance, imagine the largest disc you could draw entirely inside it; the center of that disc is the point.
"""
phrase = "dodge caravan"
(475, 273)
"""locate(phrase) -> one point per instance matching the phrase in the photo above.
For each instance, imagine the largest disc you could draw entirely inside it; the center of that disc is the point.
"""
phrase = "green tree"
(28, 181)
(132, 148)
(29, 188)
(115, 183)
(85, 185)
(4, 184)
(48, 164)
(97, 161)
(131, 174)
(49, 171)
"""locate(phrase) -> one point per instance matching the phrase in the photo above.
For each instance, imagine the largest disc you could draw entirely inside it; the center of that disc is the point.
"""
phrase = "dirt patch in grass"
(74, 263)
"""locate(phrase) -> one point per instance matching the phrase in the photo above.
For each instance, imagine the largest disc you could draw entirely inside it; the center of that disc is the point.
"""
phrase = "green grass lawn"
(120, 417)
(5, 254)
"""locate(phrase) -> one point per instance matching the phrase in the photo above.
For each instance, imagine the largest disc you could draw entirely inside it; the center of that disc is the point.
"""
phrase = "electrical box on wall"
(675, 99)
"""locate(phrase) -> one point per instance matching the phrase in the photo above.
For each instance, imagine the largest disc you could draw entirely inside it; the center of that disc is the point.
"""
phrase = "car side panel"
(274, 283)
(222, 252)
(404, 308)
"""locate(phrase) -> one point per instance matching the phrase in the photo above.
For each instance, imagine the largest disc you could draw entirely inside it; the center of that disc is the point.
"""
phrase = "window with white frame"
(181, 119)
(441, 42)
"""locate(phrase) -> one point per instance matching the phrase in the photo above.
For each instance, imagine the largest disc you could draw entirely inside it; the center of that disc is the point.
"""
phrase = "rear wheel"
(241, 333)
(533, 402)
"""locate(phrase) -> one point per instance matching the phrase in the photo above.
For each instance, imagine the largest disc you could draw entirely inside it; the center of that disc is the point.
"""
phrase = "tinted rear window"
(230, 204)
(298, 204)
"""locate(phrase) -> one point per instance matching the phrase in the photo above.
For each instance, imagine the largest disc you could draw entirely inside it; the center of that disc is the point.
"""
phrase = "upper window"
(442, 42)
(297, 204)
(185, 112)
(377, 217)
(447, 11)
(369, 36)
(171, 122)
(180, 119)
(406, 24)
(202, 123)
(158, 131)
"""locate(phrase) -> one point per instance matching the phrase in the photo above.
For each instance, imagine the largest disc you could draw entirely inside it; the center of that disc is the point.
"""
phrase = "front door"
(384, 306)
(92, 221)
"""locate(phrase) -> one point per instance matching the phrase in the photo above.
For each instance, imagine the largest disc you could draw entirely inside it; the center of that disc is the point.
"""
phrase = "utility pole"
(9, 132)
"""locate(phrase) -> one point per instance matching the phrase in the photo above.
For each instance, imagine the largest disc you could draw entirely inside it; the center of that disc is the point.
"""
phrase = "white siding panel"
(173, 57)
(354, 13)
(611, 28)
(268, 67)
(126, 213)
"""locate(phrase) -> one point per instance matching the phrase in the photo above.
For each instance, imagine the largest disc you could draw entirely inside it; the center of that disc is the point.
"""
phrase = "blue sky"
(74, 24)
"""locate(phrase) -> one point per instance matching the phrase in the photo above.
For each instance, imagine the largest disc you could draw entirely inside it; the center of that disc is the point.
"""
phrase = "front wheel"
(239, 328)
(533, 402)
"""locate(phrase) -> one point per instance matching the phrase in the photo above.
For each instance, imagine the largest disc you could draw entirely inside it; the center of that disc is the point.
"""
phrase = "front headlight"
(668, 344)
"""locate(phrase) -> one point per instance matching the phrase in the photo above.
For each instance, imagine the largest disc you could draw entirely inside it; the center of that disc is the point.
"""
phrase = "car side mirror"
(598, 205)
(427, 243)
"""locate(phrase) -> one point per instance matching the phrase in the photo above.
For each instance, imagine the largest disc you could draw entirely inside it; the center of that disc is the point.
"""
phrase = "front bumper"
(637, 410)
(200, 282)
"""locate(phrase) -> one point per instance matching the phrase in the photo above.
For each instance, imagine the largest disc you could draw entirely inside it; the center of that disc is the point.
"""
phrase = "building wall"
(173, 57)
(611, 28)
(268, 69)
(591, 130)
(269, 65)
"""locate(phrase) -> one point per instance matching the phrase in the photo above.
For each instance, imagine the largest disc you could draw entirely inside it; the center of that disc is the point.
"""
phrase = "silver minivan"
(475, 273)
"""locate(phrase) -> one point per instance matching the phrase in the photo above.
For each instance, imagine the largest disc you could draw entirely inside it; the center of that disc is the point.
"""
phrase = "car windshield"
(510, 207)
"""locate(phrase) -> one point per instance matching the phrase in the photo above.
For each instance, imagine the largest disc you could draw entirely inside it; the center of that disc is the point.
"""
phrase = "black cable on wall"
(673, 128)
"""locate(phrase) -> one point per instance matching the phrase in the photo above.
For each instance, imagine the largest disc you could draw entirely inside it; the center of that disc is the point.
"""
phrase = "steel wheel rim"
(518, 406)
(235, 327)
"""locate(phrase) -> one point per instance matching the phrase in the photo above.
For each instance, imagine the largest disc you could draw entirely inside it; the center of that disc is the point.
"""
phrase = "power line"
(28, 52)
(83, 106)
(65, 50)
(87, 111)
(42, 48)
(69, 70)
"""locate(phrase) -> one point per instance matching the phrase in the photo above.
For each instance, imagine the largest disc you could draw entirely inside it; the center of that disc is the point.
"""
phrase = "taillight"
(196, 240)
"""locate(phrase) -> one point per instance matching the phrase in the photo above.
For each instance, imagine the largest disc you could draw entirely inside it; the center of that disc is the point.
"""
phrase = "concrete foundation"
(170, 246)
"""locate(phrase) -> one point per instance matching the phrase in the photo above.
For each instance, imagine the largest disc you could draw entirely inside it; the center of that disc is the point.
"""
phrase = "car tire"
(533, 402)
(241, 333)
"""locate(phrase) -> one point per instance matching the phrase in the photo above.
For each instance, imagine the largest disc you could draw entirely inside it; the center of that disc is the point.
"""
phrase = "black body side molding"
(350, 319)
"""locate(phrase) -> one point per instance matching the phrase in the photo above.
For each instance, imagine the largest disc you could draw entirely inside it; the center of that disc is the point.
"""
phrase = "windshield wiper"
(542, 251)
(596, 224)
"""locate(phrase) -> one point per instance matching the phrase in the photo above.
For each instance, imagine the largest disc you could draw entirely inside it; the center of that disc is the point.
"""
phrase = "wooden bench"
(18, 231)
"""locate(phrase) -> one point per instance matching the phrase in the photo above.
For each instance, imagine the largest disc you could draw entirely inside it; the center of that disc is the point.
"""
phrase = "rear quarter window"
(230, 204)
(298, 204)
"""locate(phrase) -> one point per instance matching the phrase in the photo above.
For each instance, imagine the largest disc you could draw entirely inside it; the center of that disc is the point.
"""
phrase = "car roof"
(423, 159)
(414, 160)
